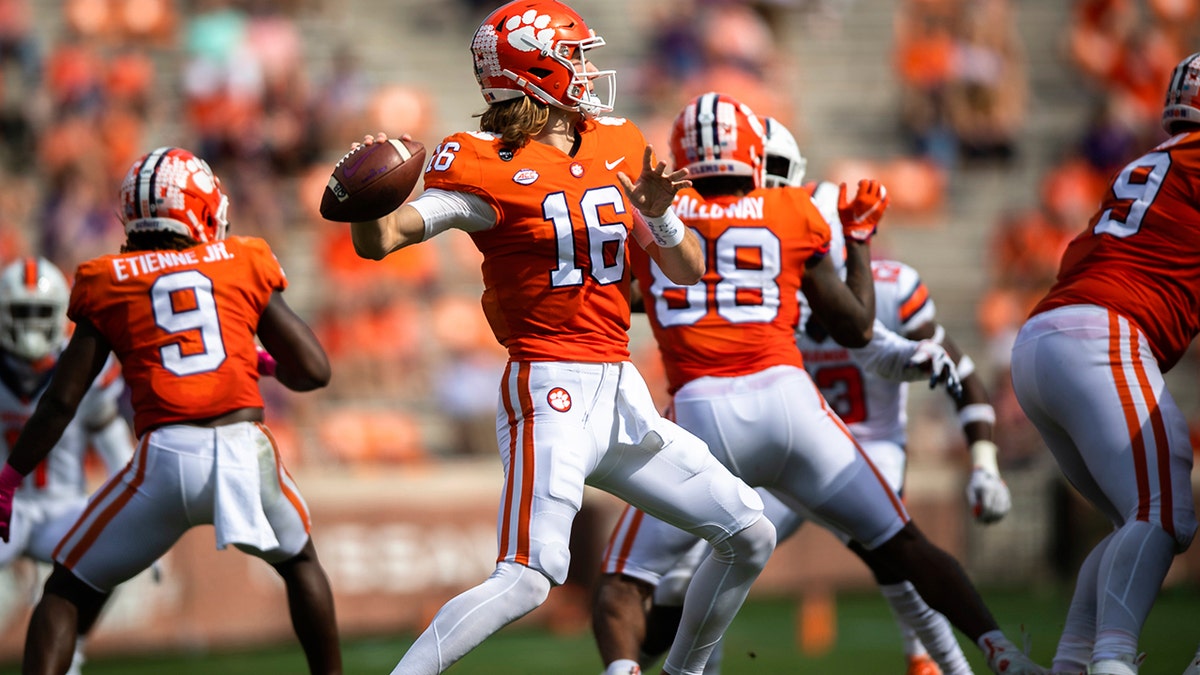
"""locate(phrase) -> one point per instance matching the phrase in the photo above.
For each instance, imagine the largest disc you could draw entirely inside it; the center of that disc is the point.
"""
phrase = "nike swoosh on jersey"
(613, 164)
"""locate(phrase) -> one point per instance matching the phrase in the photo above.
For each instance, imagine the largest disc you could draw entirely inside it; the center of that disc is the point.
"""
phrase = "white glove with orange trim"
(987, 494)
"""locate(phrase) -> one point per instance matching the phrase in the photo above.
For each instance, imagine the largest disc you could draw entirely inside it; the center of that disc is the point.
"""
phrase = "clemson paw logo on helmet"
(529, 31)
(559, 399)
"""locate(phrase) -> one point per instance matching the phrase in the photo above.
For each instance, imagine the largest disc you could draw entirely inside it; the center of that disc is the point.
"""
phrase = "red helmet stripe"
(31, 273)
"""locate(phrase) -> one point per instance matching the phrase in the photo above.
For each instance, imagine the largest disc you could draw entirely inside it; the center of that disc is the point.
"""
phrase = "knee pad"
(752, 545)
(524, 586)
(553, 560)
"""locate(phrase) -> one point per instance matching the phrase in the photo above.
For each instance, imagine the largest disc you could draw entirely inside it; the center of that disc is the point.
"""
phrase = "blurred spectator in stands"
(20, 83)
(1024, 256)
(1127, 49)
(76, 222)
(1027, 245)
(988, 93)
(17, 204)
(1111, 137)
(221, 80)
(694, 46)
(340, 99)
(148, 22)
(275, 42)
(963, 80)
(74, 72)
(470, 362)
(742, 58)
(1096, 34)
(924, 60)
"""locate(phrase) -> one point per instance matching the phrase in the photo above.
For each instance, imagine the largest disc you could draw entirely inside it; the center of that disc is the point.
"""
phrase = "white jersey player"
(33, 322)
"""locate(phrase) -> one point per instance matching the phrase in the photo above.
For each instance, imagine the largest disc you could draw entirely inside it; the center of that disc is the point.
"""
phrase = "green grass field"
(762, 641)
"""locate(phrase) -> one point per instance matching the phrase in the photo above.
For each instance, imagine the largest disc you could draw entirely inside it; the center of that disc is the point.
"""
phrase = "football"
(371, 181)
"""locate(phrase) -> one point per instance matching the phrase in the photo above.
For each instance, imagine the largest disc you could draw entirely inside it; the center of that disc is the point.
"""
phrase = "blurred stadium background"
(994, 123)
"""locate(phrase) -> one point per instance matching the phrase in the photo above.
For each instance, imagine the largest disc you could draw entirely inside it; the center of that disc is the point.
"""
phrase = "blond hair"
(515, 121)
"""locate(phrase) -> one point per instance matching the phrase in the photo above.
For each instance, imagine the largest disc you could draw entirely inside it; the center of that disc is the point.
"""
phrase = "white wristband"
(668, 229)
(983, 456)
(976, 412)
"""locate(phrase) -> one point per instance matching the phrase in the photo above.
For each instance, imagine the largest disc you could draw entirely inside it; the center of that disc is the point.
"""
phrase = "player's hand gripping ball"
(372, 180)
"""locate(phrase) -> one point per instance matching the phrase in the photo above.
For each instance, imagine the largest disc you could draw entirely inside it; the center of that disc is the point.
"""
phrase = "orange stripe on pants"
(110, 512)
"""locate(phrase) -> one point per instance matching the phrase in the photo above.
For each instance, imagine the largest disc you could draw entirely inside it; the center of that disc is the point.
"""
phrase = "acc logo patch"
(559, 399)
(525, 177)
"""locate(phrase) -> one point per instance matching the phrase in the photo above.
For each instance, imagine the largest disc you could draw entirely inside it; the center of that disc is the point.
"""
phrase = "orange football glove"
(861, 216)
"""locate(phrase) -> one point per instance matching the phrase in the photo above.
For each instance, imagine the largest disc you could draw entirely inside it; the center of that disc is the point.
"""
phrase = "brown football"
(372, 180)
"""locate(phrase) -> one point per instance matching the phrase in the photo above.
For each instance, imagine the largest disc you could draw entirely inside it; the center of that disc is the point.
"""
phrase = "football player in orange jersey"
(853, 382)
(1087, 369)
(738, 381)
(544, 190)
(179, 307)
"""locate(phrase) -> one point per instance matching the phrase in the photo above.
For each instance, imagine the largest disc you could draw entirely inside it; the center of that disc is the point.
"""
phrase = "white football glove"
(932, 359)
(987, 495)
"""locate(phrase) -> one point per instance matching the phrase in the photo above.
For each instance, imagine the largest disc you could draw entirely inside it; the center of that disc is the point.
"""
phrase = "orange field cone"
(816, 622)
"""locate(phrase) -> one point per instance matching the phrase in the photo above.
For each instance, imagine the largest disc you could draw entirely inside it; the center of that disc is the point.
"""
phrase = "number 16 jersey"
(556, 283)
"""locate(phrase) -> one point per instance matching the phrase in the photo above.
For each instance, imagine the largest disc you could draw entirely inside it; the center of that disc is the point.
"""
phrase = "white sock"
(928, 629)
(623, 667)
(1073, 655)
(77, 659)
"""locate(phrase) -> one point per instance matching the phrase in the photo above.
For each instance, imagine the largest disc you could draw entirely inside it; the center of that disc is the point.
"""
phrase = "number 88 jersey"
(1140, 255)
(182, 324)
(740, 317)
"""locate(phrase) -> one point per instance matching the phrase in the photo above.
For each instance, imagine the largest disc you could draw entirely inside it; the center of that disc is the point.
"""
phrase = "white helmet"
(1183, 94)
(33, 308)
(785, 164)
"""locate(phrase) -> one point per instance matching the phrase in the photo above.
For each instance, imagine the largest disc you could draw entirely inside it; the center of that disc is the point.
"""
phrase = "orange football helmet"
(1183, 94)
(715, 135)
(170, 189)
(538, 47)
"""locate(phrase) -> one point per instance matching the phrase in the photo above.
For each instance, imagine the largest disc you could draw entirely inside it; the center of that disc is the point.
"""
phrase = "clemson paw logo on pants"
(559, 399)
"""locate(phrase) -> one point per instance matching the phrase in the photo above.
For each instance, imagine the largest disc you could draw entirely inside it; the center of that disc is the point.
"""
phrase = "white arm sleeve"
(888, 354)
(444, 210)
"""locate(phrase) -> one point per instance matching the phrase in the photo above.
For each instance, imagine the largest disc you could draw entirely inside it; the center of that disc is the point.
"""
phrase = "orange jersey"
(556, 286)
(183, 324)
(1140, 255)
(741, 316)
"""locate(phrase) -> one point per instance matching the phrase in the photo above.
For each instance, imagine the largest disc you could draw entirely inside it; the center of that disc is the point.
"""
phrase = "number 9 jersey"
(182, 324)
(1140, 255)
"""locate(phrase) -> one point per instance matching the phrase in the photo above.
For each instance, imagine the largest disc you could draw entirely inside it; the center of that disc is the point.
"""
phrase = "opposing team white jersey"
(873, 407)
(61, 474)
